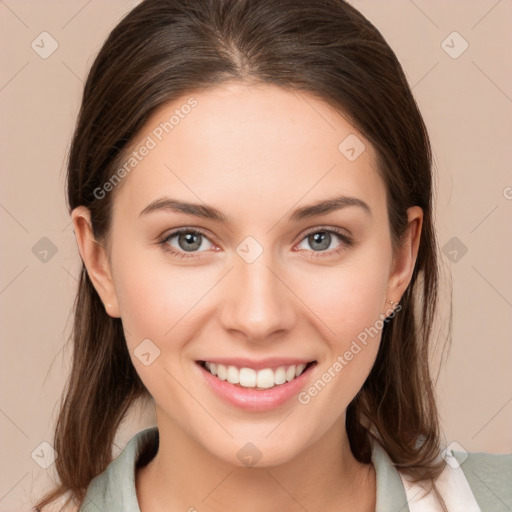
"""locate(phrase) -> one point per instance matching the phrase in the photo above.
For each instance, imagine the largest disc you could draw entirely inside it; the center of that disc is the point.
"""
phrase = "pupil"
(192, 239)
(323, 238)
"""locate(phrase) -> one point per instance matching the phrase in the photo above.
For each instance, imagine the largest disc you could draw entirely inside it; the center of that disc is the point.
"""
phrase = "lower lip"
(253, 399)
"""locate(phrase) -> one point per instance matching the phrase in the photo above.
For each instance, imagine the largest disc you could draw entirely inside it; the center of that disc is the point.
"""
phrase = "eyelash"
(347, 242)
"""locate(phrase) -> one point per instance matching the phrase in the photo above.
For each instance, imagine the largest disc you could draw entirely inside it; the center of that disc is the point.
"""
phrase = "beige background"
(466, 102)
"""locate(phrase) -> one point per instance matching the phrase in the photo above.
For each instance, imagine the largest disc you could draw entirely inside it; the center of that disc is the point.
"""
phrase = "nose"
(258, 305)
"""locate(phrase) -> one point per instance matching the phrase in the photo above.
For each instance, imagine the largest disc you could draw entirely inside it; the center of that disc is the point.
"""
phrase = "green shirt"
(488, 475)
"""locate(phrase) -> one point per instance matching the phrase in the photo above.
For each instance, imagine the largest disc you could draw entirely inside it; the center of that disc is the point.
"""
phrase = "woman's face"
(267, 281)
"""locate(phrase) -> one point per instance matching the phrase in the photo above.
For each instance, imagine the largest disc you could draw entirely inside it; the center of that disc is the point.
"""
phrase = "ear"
(405, 256)
(95, 258)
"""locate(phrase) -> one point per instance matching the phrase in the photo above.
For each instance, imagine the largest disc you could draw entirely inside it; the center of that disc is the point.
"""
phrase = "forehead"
(246, 143)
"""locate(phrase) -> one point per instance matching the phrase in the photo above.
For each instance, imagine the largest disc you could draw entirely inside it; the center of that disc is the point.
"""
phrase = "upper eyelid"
(185, 229)
(332, 229)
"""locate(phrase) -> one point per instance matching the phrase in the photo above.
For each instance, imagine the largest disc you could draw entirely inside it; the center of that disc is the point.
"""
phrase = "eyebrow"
(209, 212)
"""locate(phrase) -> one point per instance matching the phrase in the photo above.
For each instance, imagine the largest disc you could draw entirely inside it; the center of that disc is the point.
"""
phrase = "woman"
(251, 190)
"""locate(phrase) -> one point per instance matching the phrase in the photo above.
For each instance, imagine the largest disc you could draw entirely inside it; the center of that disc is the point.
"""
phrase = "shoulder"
(58, 508)
(60, 505)
(114, 489)
(489, 477)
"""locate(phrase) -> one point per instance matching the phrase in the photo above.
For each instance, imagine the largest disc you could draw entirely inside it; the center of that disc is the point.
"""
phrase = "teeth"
(233, 375)
(249, 378)
(300, 369)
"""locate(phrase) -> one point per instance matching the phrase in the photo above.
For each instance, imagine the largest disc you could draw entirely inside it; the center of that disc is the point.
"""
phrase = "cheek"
(347, 302)
(352, 344)
(348, 297)
(159, 301)
(157, 306)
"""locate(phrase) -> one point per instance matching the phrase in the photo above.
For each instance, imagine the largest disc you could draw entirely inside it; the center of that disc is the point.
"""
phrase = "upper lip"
(270, 362)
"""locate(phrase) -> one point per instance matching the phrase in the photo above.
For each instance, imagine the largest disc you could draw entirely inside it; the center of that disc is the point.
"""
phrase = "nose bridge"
(259, 303)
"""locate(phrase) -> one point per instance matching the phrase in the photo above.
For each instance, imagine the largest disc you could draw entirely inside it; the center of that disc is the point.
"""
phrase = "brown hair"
(165, 49)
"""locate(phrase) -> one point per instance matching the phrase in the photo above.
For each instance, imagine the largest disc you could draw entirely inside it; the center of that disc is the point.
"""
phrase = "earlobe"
(406, 255)
(95, 259)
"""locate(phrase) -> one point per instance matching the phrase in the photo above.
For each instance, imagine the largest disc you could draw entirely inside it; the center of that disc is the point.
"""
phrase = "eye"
(320, 239)
(187, 241)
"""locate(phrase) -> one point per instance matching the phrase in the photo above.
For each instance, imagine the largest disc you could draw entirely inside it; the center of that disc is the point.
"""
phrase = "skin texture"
(256, 153)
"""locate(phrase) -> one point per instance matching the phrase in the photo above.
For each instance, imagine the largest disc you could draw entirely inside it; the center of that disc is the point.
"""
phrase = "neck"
(325, 476)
